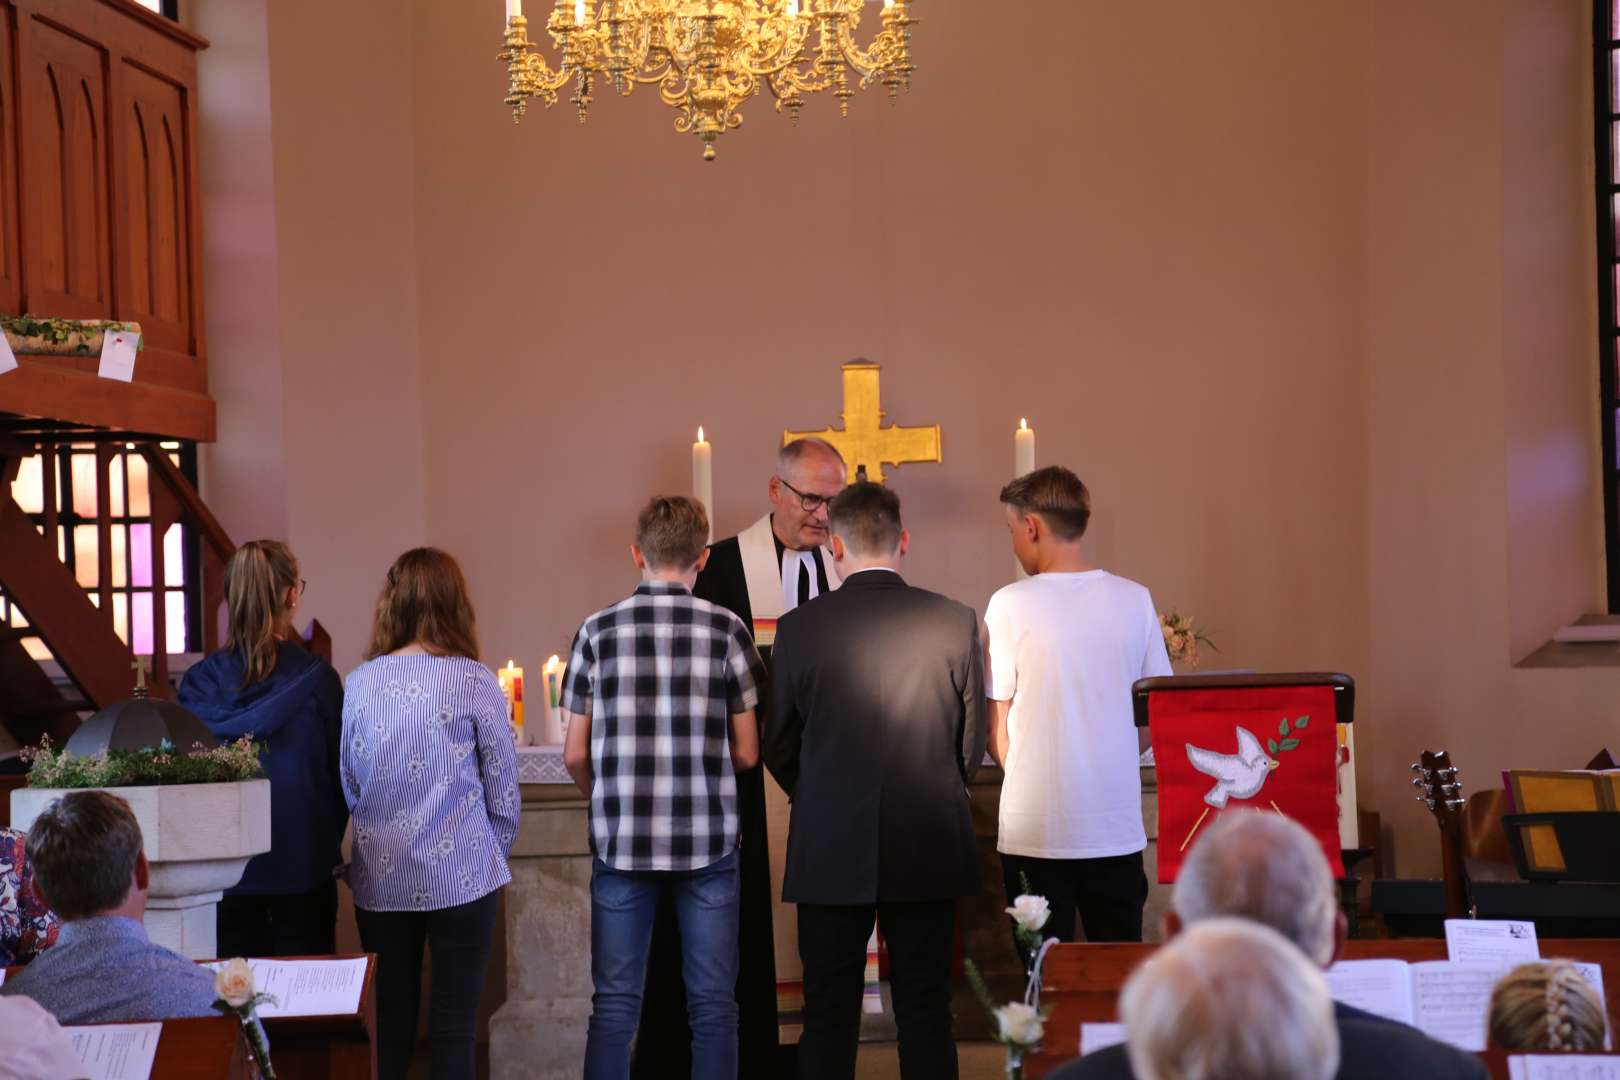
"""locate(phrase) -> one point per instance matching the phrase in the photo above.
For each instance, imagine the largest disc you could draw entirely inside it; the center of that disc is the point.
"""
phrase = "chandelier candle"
(708, 57)
(703, 477)
(1023, 449)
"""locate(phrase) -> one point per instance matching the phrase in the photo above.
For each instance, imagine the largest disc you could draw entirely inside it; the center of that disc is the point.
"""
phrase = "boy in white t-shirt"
(1066, 644)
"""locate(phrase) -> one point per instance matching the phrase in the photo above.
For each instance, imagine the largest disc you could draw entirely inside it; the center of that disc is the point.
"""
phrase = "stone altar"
(540, 1031)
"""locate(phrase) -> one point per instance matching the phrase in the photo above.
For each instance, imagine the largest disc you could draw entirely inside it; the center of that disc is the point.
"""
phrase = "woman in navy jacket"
(264, 685)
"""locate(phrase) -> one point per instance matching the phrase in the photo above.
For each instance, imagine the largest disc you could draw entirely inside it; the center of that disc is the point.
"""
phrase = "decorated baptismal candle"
(555, 729)
(511, 677)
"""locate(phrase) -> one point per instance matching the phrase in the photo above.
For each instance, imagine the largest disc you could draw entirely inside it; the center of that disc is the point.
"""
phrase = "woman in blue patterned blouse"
(430, 774)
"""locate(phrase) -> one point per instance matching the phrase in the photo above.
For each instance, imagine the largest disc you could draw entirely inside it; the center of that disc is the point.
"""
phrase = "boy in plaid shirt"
(660, 691)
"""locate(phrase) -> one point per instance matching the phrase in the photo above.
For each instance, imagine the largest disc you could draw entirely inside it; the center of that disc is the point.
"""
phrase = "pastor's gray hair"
(1229, 998)
(788, 458)
(1255, 865)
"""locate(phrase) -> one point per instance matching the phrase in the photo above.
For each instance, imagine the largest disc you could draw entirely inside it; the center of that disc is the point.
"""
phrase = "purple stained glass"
(140, 556)
(141, 623)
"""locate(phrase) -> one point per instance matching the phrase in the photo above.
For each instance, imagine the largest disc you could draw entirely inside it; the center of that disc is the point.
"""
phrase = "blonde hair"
(1229, 998)
(257, 580)
(425, 600)
(1546, 1006)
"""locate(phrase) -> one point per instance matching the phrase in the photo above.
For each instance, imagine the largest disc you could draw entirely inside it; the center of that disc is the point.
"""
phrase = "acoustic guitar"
(1439, 789)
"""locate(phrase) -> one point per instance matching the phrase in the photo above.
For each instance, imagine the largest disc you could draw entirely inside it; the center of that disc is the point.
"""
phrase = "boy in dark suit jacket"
(878, 723)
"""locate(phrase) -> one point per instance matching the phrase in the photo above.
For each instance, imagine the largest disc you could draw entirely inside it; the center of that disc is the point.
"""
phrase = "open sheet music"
(308, 987)
(1563, 1067)
(116, 1051)
(1445, 1000)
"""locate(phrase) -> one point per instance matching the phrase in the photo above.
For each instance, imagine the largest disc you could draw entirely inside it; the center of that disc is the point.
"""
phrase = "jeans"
(459, 938)
(292, 924)
(623, 904)
(832, 944)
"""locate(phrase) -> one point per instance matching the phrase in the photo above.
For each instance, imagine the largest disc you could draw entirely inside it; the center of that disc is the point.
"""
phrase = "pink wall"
(1300, 290)
(1156, 274)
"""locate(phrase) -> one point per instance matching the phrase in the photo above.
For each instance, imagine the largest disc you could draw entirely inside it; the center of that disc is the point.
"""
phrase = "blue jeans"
(622, 907)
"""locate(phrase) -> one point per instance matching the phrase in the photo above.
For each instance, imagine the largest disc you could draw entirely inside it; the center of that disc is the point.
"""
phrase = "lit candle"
(555, 729)
(703, 477)
(511, 677)
(1023, 449)
(514, 9)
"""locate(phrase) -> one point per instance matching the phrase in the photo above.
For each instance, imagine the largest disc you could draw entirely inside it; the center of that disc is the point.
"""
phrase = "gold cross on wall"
(863, 440)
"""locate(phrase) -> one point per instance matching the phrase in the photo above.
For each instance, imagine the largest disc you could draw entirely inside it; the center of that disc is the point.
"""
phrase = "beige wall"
(1301, 290)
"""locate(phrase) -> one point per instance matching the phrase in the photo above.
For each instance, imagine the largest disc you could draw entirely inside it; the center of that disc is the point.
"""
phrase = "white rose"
(234, 983)
(1020, 1024)
(1030, 912)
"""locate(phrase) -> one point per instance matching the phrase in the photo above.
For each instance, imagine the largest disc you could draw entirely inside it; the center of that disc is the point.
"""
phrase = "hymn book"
(1444, 1000)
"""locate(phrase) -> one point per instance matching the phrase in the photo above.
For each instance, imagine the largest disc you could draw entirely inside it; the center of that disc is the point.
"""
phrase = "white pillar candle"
(703, 477)
(554, 731)
(514, 8)
(1023, 449)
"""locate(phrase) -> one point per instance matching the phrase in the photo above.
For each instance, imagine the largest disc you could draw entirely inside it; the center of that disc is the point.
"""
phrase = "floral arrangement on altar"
(1020, 1025)
(1182, 637)
(238, 997)
(152, 765)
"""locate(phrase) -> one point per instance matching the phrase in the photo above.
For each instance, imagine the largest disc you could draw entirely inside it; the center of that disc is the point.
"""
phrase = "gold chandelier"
(707, 57)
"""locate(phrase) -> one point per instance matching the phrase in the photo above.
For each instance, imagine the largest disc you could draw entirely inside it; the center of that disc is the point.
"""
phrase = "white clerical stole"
(797, 565)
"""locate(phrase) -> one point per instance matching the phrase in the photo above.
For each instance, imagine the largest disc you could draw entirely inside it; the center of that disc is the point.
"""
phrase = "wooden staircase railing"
(78, 632)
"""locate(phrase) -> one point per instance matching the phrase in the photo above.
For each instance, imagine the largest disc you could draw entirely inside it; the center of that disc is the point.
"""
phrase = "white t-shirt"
(1065, 649)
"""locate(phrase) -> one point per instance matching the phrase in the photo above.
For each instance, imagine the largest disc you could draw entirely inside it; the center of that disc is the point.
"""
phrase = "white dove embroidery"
(1237, 776)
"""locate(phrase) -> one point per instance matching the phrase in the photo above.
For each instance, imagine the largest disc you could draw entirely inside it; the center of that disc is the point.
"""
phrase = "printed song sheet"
(1491, 941)
(1094, 1037)
(1563, 1067)
(116, 1051)
(1450, 1001)
(308, 987)
(1381, 987)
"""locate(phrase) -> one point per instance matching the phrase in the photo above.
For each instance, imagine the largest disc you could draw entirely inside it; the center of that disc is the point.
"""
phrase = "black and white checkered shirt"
(660, 675)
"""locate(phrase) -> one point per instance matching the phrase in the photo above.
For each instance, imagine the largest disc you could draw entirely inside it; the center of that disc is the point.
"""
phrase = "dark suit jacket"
(1370, 1048)
(877, 723)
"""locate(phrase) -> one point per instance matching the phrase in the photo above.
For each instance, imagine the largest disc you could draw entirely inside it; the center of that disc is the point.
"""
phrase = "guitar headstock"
(1438, 787)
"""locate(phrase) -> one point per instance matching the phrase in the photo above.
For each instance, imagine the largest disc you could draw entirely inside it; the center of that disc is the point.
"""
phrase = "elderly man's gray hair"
(1254, 865)
(788, 458)
(1229, 998)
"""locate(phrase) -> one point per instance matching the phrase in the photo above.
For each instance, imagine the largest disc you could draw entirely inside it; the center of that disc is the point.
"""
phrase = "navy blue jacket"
(296, 714)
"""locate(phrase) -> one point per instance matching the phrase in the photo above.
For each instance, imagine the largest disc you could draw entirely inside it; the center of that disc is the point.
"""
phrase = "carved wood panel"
(68, 246)
(154, 282)
(99, 213)
(10, 251)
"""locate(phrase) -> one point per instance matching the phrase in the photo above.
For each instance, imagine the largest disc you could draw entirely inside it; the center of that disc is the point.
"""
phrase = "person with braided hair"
(1547, 1005)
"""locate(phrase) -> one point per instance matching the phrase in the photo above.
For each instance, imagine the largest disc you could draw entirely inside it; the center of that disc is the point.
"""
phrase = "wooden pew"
(322, 1047)
(1082, 982)
(328, 1047)
(205, 1048)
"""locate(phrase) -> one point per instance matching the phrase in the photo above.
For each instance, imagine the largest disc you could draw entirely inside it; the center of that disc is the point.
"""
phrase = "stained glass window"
(132, 546)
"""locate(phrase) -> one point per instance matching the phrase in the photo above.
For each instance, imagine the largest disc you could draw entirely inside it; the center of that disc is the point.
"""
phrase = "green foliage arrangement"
(223, 764)
(69, 335)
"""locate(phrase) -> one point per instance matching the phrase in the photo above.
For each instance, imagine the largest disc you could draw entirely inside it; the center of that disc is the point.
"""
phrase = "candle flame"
(555, 661)
(700, 433)
(511, 665)
(1023, 424)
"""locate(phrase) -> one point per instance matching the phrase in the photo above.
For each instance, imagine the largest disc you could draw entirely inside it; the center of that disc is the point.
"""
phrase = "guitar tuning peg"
(1417, 767)
(1456, 804)
(1417, 781)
